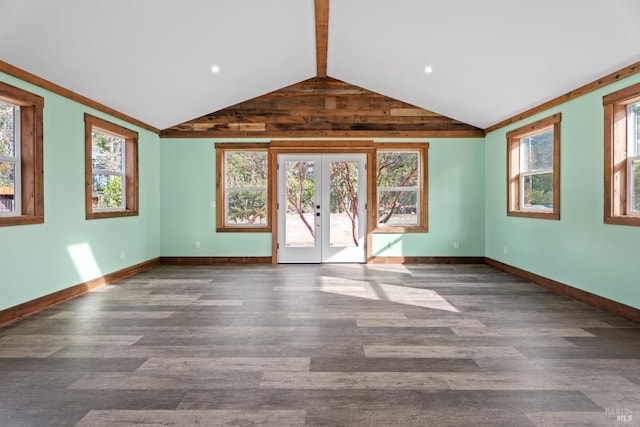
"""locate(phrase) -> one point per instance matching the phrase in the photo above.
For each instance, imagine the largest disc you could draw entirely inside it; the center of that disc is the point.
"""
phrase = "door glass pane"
(343, 200)
(300, 199)
(398, 207)
(7, 187)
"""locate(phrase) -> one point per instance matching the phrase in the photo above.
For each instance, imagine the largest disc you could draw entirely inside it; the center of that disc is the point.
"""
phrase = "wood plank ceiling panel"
(322, 107)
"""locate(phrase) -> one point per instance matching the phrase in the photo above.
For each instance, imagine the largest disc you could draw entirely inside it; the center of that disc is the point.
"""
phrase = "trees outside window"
(401, 187)
(242, 187)
(533, 173)
(21, 161)
(111, 175)
(622, 156)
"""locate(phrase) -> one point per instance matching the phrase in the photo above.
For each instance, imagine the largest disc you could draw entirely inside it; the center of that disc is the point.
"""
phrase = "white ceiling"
(151, 59)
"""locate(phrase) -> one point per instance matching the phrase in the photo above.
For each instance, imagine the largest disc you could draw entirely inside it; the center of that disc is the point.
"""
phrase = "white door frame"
(322, 250)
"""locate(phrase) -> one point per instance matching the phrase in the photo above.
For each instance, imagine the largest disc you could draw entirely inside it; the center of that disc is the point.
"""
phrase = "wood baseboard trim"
(425, 260)
(30, 307)
(588, 298)
(212, 260)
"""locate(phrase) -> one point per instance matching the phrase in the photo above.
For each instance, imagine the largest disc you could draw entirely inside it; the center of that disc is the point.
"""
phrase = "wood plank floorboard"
(320, 345)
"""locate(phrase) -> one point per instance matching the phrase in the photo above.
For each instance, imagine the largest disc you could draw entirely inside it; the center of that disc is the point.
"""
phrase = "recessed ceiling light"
(215, 68)
(428, 69)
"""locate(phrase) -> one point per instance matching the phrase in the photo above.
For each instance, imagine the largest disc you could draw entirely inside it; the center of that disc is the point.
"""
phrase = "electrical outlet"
(122, 254)
(456, 244)
(197, 244)
(506, 250)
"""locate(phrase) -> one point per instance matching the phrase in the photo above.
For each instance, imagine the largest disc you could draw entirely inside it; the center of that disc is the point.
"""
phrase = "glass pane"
(248, 207)
(107, 151)
(7, 187)
(343, 198)
(107, 192)
(538, 191)
(8, 114)
(398, 208)
(246, 169)
(635, 186)
(300, 209)
(537, 151)
(398, 168)
(634, 131)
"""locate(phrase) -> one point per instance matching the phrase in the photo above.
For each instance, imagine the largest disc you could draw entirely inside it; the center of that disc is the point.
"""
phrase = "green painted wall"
(456, 199)
(188, 182)
(467, 204)
(579, 250)
(66, 250)
(456, 204)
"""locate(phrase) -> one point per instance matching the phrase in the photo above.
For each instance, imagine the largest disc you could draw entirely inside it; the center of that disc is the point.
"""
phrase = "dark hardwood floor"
(323, 345)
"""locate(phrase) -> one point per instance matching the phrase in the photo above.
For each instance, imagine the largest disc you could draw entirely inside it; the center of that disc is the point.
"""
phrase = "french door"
(321, 208)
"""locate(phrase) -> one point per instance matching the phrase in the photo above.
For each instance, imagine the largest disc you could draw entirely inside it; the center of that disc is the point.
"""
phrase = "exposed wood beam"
(322, 36)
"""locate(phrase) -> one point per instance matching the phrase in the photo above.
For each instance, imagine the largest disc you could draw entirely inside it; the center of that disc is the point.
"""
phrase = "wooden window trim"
(221, 148)
(513, 168)
(131, 167)
(31, 155)
(423, 220)
(615, 156)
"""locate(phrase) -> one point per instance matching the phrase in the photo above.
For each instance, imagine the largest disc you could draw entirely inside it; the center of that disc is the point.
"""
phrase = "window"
(111, 169)
(622, 157)
(401, 187)
(21, 165)
(242, 187)
(533, 175)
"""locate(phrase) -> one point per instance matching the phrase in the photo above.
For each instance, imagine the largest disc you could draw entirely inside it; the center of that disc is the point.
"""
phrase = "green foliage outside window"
(246, 187)
(537, 156)
(397, 169)
(107, 156)
(7, 143)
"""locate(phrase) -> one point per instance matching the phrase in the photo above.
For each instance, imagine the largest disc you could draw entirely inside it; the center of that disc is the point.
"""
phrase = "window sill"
(535, 214)
(110, 214)
(242, 229)
(7, 221)
(401, 229)
(623, 220)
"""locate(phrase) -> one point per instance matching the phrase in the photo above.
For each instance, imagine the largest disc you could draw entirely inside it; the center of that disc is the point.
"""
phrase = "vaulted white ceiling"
(151, 59)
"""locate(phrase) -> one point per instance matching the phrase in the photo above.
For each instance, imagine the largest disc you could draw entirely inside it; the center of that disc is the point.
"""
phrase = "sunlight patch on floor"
(392, 293)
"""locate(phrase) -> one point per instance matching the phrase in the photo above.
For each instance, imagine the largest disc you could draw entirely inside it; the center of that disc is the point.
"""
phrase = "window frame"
(130, 163)
(515, 173)
(221, 187)
(423, 191)
(29, 191)
(617, 161)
